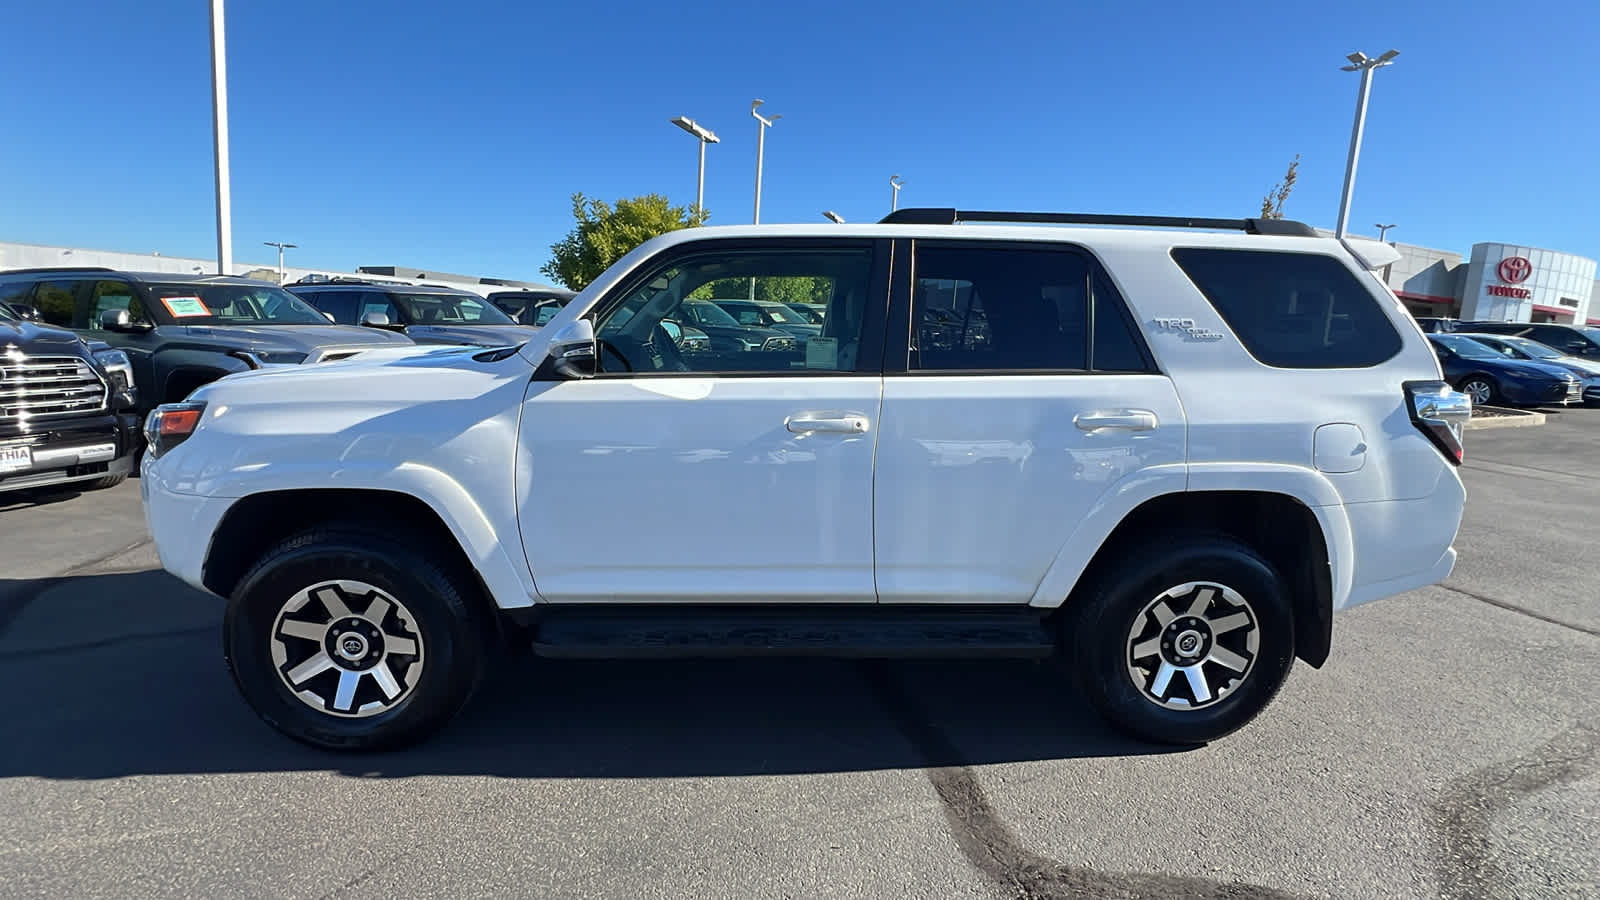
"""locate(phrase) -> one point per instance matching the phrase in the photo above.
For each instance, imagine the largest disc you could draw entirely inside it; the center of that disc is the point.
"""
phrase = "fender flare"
(1307, 486)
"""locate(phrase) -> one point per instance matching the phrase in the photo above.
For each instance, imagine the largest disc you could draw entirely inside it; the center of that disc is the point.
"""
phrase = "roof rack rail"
(41, 269)
(948, 216)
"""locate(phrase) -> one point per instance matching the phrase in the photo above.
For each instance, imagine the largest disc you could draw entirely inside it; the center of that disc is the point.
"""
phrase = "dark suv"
(66, 408)
(427, 315)
(1571, 340)
(182, 331)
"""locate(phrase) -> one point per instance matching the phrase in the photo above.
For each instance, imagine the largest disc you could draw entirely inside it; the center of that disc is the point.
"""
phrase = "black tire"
(1100, 646)
(1492, 386)
(453, 642)
(110, 481)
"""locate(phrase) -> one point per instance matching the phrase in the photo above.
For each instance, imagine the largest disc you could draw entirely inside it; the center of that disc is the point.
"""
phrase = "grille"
(48, 386)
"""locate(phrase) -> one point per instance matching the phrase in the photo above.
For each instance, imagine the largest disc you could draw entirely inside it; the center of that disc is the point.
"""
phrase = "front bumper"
(174, 519)
(1543, 393)
(73, 451)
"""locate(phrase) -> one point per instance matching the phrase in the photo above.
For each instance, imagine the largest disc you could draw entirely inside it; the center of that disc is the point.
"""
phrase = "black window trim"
(1383, 313)
(869, 356)
(897, 351)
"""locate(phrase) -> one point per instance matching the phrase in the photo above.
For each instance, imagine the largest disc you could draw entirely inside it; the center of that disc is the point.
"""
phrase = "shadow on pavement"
(121, 674)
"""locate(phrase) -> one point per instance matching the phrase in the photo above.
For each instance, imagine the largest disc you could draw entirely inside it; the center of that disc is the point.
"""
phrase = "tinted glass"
(1117, 347)
(56, 302)
(204, 303)
(632, 339)
(999, 309)
(339, 304)
(449, 309)
(15, 290)
(109, 295)
(1293, 310)
(1466, 348)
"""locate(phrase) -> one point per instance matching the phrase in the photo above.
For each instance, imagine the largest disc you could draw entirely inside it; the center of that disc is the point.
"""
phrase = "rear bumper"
(1402, 545)
(70, 452)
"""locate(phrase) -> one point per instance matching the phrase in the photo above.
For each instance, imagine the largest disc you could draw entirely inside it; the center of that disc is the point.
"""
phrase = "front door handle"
(803, 424)
(1121, 419)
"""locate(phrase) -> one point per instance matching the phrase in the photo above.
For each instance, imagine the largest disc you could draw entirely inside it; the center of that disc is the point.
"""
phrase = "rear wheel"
(344, 640)
(1185, 643)
(1481, 388)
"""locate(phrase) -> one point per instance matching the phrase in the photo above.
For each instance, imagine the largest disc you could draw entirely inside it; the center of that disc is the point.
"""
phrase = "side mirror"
(572, 350)
(374, 319)
(25, 311)
(116, 320)
(673, 330)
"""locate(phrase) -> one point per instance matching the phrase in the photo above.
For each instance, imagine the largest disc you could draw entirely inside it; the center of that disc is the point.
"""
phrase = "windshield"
(1593, 333)
(1533, 348)
(200, 303)
(1467, 348)
(706, 313)
(5, 313)
(449, 309)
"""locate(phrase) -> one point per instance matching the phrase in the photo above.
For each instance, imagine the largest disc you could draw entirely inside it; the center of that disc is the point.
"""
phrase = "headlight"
(170, 424)
(116, 364)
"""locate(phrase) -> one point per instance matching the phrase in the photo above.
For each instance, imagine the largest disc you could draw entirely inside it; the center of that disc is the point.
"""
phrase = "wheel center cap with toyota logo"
(1515, 269)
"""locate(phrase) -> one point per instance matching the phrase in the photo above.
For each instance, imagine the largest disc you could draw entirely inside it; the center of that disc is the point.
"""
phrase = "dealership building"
(1497, 282)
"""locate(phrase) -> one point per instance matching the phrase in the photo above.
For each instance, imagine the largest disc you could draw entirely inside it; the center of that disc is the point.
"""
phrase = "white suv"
(1165, 454)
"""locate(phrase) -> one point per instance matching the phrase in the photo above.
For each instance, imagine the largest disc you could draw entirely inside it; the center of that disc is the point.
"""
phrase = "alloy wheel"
(347, 648)
(1193, 645)
(1480, 391)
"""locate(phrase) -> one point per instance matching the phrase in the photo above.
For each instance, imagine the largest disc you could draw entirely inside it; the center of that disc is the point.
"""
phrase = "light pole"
(1383, 229)
(896, 182)
(1359, 62)
(704, 136)
(765, 122)
(833, 217)
(219, 136)
(281, 247)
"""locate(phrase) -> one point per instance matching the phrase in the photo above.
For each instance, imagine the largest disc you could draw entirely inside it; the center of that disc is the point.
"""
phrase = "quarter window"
(1293, 310)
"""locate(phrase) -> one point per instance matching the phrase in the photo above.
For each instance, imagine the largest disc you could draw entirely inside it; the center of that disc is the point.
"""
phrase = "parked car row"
(1499, 368)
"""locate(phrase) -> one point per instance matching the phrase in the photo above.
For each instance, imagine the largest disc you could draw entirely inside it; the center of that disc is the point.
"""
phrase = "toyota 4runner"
(1169, 454)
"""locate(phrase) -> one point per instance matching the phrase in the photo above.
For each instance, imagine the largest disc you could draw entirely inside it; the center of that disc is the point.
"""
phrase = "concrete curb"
(1508, 418)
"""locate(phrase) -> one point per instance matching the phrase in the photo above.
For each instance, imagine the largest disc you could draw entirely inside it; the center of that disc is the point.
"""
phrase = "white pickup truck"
(1164, 454)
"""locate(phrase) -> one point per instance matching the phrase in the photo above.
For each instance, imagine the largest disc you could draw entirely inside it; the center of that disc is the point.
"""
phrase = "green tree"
(780, 288)
(604, 234)
(1272, 203)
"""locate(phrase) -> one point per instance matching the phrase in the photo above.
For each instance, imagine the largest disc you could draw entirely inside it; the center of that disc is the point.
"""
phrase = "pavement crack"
(1463, 814)
(993, 848)
(1512, 607)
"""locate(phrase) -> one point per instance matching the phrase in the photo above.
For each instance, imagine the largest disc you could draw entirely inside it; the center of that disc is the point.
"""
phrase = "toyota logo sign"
(1515, 269)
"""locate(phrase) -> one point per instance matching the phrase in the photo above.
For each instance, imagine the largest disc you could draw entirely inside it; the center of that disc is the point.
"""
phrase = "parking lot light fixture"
(1359, 62)
(704, 136)
(895, 182)
(281, 247)
(833, 217)
(764, 122)
(1383, 230)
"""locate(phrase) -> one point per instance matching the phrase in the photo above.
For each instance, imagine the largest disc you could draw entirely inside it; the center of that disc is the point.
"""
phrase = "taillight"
(170, 424)
(1441, 413)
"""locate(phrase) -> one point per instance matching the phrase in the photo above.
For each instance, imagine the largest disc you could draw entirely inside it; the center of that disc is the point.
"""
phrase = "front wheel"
(1481, 389)
(1182, 643)
(344, 640)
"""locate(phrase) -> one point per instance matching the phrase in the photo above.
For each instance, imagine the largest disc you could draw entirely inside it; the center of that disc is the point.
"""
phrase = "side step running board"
(578, 632)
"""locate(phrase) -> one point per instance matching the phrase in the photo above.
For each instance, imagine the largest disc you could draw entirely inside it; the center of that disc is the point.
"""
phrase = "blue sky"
(450, 136)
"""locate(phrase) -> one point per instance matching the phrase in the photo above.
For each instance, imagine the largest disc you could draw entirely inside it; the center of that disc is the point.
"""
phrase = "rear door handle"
(804, 424)
(1121, 419)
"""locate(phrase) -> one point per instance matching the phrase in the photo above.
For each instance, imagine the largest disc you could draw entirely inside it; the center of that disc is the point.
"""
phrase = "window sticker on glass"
(822, 353)
(182, 307)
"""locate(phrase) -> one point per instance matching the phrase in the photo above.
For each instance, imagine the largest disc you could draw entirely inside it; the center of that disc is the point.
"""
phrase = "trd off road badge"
(1188, 329)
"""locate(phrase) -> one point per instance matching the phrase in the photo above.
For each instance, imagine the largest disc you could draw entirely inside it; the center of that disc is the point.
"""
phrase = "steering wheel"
(667, 349)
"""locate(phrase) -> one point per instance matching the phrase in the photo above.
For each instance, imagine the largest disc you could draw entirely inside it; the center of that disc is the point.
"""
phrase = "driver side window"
(672, 322)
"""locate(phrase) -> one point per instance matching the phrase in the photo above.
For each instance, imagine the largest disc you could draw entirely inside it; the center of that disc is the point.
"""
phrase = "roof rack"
(42, 269)
(949, 216)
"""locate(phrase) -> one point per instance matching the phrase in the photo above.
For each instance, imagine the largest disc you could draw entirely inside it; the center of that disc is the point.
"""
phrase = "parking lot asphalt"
(1450, 747)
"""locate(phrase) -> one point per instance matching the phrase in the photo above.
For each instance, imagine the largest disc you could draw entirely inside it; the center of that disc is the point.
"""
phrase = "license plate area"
(15, 459)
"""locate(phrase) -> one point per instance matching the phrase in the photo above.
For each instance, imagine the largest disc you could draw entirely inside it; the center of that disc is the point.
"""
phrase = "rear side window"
(1293, 310)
